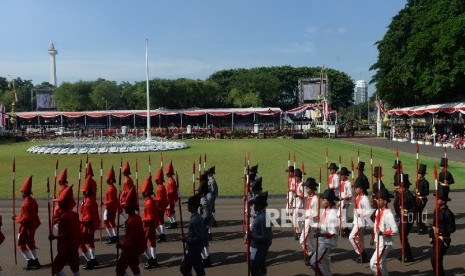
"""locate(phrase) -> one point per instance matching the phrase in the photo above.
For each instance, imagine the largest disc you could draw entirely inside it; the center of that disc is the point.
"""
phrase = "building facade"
(360, 92)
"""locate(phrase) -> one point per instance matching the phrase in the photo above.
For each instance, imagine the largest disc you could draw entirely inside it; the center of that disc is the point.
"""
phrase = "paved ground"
(227, 248)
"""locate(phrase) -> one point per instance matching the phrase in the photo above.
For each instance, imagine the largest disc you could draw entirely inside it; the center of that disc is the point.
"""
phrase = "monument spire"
(53, 71)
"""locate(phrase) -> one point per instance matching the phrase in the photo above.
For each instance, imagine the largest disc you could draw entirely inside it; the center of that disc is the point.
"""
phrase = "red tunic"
(69, 239)
(172, 190)
(90, 221)
(28, 222)
(149, 221)
(56, 209)
(162, 202)
(111, 206)
(127, 185)
(134, 245)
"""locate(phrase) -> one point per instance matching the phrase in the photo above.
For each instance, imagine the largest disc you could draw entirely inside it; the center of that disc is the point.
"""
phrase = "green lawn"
(227, 155)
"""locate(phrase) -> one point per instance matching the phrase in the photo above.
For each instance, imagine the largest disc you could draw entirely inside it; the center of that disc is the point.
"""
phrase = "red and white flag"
(380, 106)
(2, 116)
(325, 110)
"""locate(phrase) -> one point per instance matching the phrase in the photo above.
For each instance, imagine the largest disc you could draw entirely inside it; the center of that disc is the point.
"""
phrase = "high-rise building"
(360, 92)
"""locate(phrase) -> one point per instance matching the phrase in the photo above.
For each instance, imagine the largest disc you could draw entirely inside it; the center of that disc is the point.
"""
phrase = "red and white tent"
(299, 110)
(448, 108)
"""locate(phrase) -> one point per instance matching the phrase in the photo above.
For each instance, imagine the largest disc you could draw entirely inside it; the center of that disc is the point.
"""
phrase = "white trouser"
(357, 239)
(383, 251)
(324, 260)
(308, 241)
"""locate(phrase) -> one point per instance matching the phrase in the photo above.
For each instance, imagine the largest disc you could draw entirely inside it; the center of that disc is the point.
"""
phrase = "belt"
(444, 184)
(444, 238)
(422, 197)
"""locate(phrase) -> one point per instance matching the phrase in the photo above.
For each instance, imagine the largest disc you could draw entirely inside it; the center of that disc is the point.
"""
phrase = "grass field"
(227, 155)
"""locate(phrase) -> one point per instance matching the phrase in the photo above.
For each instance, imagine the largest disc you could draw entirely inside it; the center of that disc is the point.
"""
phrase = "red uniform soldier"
(28, 222)
(173, 197)
(149, 221)
(90, 222)
(62, 180)
(111, 207)
(69, 234)
(134, 242)
(127, 185)
(162, 202)
(93, 183)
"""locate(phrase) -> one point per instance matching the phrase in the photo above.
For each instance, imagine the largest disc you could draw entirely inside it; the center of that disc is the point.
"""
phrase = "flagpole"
(14, 211)
(149, 136)
(49, 220)
(436, 220)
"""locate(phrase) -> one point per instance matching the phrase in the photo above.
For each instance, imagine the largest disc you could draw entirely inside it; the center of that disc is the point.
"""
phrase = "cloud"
(298, 47)
(313, 31)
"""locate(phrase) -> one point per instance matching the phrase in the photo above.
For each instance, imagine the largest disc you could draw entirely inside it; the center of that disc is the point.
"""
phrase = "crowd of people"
(73, 224)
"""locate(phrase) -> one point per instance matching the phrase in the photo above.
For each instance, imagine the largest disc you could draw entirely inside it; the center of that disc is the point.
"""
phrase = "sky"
(188, 38)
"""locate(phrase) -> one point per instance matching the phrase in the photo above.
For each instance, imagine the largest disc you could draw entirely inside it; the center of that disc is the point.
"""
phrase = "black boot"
(89, 265)
(161, 238)
(363, 258)
(214, 223)
(207, 262)
(36, 264)
(151, 263)
(30, 265)
(307, 260)
(172, 225)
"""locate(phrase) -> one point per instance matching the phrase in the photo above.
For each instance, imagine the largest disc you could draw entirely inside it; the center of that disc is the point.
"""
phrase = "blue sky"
(188, 38)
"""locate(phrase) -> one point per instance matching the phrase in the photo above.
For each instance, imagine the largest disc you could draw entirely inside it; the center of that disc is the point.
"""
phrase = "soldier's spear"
(118, 220)
(193, 178)
(14, 210)
(287, 182)
(436, 220)
(55, 182)
(295, 192)
(180, 218)
(416, 182)
(304, 210)
(161, 159)
(101, 196)
(248, 221)
(327, 173)
(341, 200)
(371, 164)
(79, 186)
(317, 272)
(150, 165)
(50, 219)
(204, 161)
(200, 169)
(244, 192)
(401, 205)
(137, 186)
(377, 239)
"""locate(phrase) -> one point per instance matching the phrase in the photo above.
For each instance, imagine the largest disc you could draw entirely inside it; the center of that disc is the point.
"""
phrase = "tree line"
(256, 87)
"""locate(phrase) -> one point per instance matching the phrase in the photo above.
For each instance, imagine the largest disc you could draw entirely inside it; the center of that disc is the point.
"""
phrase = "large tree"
(422, 55)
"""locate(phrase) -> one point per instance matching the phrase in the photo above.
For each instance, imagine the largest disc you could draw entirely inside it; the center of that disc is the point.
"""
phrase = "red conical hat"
(147, 185)
(67, 197)
(159, 175)
(126, 169)
(169, 169)
(111, 178)
(89, 185)
(63, 177)
(27, 185)
(89, 170)
(131, 198)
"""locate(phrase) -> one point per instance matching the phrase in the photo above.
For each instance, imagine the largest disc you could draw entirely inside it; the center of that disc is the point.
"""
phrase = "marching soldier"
(69, 234)
(206, 213)
(260, 236)
(362, 218)
(333, 179)
(445, 178)
(149, 223)
(127, 185)
(90, 222)
(406, 215)
(422, 195)
(311, 210)
(134, 242)
(442, 230)
(92, 183)
(161, 198)
(360, 174)
(195, 240)
(111, 207)
(298, 203)
(290, 192)
(172, 190)
(62, 181)
(385, 227)
(212, 192)
(28, 222)
(377, 175)
(326, 233)
(397, 169)
(345, 198)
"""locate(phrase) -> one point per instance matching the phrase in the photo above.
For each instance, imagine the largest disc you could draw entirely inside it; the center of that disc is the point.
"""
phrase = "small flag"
(2, 116)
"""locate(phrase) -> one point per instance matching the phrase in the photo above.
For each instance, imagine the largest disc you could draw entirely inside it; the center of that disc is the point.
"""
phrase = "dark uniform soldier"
(422, 192)
(397, 169)
(260, 236)
(363, 179)
(445, 178)
(441, 229)
(377, 174)
(212, 192)
(406, 213)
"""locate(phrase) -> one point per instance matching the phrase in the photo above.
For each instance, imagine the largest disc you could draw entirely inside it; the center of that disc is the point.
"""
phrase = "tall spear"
(14, 210)
(137, 185)
(371, 164)
(402, 212)
(55, 181)
(341, 200)
(49, 219)
(327, 171)
(118, 220)
(180, 218)
(295, 198)
(287, 182)
(416, 182)
(304, 211)
(101, 196)
(200, 169)
(161, 159)
(204, 161)
(378, 268)
(150, 165)
(79, 186)
(318, 226)
(436, 220)
(248, 219)
(193, 178)
(244, 192)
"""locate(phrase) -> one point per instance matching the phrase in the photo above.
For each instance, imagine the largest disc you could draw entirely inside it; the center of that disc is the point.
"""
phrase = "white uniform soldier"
(385, 227)
(298, 204)
(362, 218)
(311, 211)
(334, 179)
(326, 233)
(290, 193)
(346, 197)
